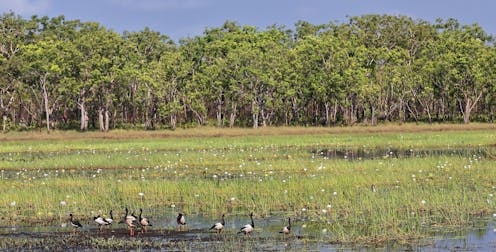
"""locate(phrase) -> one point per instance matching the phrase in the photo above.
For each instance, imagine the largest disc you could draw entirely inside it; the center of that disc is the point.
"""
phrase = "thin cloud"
(158, 5)
(25, 7)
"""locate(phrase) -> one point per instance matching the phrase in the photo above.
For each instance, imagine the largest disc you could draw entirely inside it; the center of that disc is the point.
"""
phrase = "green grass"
(266, 174)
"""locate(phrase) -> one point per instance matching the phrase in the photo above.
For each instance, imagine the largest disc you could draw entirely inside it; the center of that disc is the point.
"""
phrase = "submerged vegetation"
(368, 199)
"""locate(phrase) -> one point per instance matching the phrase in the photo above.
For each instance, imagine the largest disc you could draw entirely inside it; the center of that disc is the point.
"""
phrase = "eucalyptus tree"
(98, 53)
(272, 44)
(213, 75)
(372, 67)
(14, 34)
(489, 59)
(254, 78)
(46, 65)
(171, 73)
(202, 78)
(110, 65)
(142, 49)
(465, 53)
(241, 88)
(391, 44)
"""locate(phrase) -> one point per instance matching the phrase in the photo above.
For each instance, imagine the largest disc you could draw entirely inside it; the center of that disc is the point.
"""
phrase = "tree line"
(68, 74)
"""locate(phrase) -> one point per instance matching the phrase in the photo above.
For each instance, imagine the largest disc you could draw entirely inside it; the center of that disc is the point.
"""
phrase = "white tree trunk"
(46, 104)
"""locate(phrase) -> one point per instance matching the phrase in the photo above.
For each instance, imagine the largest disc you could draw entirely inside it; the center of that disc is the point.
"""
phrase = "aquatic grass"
(268, 176)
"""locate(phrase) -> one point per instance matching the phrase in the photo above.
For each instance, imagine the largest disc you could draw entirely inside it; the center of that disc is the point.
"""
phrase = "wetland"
(349, 191)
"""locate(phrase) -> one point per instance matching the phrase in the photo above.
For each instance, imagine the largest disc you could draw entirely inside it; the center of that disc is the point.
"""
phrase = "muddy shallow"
(164, 236)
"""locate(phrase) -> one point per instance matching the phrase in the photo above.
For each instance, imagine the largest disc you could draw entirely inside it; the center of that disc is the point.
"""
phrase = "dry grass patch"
(237, 132)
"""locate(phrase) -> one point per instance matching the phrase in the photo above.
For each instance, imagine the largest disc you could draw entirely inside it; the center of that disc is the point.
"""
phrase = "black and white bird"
(181, 221)
(100, 221)
(372, 188)
(110, 219)
(219, 225)
(248, 228)
(130, 221)
(143, 221)
(75, 224)
(287, 229)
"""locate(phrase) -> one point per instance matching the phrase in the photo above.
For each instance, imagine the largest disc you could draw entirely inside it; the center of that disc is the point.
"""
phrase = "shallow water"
(197, 236)
(379, 153)
(476, 239)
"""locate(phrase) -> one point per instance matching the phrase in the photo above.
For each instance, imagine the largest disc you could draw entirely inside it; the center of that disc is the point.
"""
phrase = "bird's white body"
(218, 226)
(248, 228)
(130, 221)
(109, 221)
(182, 220)
(285, 230)
(100, 221)
(143, 221)
(75, 225)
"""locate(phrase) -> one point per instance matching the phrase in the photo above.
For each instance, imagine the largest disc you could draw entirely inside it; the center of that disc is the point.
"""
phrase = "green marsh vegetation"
(273, 174)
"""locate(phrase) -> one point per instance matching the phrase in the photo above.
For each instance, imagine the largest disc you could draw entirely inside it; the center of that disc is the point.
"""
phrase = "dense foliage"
(66, 74)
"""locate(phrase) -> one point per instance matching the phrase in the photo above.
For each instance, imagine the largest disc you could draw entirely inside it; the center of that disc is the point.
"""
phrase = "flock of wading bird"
(142, 223)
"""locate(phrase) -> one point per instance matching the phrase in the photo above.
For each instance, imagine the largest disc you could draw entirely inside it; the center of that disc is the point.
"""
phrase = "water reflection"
(476, 239)
(265, 237)
(378, 153)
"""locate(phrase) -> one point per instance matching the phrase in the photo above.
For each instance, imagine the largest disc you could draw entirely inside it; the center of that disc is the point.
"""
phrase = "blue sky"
(188, 18)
